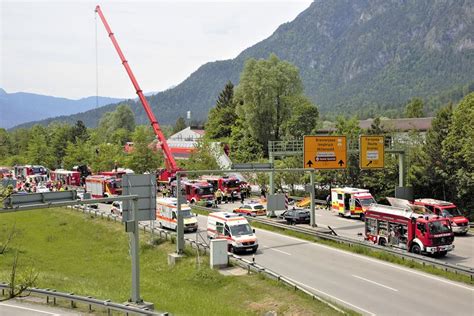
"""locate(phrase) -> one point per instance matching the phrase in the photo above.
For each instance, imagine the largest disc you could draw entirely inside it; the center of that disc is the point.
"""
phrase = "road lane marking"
(29, 309)
(373, 260)
(333, 297)
(373, 282)
(286, 253)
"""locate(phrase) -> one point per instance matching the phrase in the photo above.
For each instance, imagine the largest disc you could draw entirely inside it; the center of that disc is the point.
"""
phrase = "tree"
(303, 119)
(59, 134)
(414, 108)
(39, 152)
(179, 125)
(244, 148)
(106, 156)
(77, 154)
(222, 117)
(226, 97)
(204, 158)
(265, 91)
(143, 158)
(79, 131)
(5, 144)
(110, 122)
(458, 152)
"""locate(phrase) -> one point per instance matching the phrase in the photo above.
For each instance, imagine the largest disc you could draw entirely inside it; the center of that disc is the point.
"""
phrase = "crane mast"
(170, 163)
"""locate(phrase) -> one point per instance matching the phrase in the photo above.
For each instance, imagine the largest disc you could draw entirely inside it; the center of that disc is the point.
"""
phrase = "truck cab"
(459, 223)
(235, 229)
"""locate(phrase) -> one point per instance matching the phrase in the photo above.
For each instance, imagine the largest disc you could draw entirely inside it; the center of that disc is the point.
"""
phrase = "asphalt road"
(369, 286)
(463, 252)
(16, 308)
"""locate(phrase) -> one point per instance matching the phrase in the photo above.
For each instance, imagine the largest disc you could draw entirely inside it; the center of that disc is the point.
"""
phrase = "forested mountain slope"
(352, 55)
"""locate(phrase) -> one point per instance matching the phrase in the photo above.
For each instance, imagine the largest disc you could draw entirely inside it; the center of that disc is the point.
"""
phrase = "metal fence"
(52, 296)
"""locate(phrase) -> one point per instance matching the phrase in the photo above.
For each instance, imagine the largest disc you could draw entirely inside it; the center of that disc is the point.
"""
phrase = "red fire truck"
(226, 184)
(103, 186)
(21, 172)
(405, 229)
(459, 223)
(117, 174)
(67, 177)
(195, 190)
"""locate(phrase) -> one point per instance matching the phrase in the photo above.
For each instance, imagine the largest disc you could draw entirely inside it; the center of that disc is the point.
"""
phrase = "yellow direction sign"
(371, 152)
(325, 152)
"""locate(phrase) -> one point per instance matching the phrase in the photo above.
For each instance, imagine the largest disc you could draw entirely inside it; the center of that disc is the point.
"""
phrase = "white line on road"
(29, 309)
(334, 298)
(373, 282)
(286, 253)
(422, 274)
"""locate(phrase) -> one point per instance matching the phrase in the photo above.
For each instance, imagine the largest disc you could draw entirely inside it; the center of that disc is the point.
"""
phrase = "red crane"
(170, 163)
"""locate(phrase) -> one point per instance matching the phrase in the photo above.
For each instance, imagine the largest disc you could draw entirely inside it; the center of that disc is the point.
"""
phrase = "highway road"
(16, 308)
(367, 285)
(353, 228)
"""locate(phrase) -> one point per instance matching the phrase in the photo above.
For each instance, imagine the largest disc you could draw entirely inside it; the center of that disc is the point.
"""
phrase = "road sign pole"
(313, 215)
(401, 167)
(179, 215)
(135, 255)
(272, 175)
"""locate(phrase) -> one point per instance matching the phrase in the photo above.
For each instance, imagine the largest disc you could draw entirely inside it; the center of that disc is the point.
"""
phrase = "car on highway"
(251, 209)
(116, 208)
(297, 216)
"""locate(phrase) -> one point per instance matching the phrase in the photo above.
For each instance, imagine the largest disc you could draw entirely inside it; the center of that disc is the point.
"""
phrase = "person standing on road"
(328, 202)
(242, 196)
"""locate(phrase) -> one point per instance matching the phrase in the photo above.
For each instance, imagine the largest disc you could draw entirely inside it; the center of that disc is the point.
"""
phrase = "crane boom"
(170, 163)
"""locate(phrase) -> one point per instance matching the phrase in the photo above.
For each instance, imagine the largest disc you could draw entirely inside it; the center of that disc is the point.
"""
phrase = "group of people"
(33, 186)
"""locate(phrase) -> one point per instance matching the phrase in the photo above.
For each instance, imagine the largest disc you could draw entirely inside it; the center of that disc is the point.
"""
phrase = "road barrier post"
(180, 229)
(312, 195)
(135, 295)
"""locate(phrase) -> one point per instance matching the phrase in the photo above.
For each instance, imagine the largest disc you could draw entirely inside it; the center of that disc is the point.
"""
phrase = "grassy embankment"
(74, 252)
(364, 251)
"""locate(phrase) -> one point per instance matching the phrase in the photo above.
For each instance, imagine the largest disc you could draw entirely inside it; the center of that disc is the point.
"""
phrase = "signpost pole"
(135, 255)
(312, 218)
(272, 175)
(179, 215)
(401, 167)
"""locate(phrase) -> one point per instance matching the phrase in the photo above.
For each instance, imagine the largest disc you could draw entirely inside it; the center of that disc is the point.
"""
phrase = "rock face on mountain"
(351, 54)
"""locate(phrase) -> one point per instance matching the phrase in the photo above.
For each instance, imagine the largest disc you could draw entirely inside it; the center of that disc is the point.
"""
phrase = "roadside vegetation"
(74, 252)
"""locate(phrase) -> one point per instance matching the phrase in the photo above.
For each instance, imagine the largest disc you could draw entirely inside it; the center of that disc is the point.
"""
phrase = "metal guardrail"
(354, 242)
(246, 264)
(88, 300)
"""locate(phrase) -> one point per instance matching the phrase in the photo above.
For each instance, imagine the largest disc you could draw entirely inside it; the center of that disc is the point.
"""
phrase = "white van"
(233, 227)
(166, 214)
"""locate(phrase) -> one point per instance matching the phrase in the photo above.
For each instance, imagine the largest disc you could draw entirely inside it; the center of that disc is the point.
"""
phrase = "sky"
(49, 47)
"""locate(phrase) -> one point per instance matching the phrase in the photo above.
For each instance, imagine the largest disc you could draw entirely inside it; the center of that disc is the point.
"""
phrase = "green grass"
(74, 252)
(371, 253)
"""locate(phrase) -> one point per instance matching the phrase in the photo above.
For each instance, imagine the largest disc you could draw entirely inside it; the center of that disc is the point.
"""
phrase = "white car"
(116, 208)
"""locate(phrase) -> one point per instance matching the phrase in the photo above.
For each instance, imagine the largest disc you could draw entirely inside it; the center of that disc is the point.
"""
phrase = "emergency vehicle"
(233, 227)
(351, 201)
(27, 170)
(459, 223)
(67, 177)
(166, 215)
(405, 229)
(5, 172)
(195, 190)
(226, 184)
(103, 186)
(37, 178)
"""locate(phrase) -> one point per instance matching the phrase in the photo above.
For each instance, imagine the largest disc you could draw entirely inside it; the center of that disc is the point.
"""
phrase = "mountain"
(21, 107)
(352, 55)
